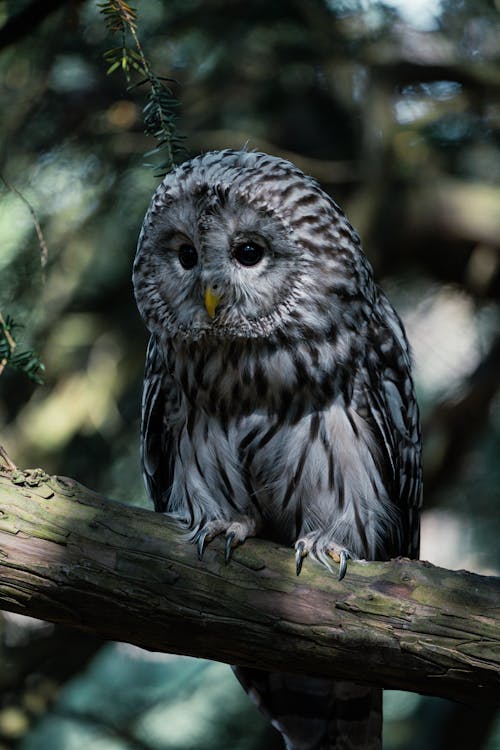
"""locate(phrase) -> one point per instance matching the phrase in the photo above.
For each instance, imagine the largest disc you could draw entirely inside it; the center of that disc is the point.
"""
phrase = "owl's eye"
(248, 253)
(188, 257)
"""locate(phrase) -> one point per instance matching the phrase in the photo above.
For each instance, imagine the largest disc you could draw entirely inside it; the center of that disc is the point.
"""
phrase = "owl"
(278, 399)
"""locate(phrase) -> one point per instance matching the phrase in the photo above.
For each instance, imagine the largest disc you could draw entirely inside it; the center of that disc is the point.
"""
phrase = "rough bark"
(71, 556)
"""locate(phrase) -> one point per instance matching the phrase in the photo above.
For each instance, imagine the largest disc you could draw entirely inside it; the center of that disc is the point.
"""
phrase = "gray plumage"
(278, 398)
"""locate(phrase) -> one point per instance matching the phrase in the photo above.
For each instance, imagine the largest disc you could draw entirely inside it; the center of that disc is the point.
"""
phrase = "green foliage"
(25, 361)
(160, 108)
(124, 58)
(160, 122)
(121, 18)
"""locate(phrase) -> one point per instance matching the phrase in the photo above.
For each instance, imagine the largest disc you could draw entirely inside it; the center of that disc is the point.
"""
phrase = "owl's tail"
(313, 713)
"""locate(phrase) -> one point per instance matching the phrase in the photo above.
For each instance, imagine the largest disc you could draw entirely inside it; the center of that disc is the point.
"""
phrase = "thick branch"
(73, 557)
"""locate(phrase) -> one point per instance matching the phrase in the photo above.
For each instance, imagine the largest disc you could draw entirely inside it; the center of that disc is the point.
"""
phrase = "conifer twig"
(26, 360)
(159, 110)
(4, 329)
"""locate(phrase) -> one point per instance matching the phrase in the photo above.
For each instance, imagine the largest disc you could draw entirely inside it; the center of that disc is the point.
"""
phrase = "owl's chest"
(240, 379)
(289, 475)
(263, 435)
(249, 465)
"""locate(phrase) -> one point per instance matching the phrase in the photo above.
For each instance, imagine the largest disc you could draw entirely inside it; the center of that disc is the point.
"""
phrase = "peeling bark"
(71, 556)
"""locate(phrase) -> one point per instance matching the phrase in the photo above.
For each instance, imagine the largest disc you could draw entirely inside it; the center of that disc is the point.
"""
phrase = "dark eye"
(248, 253)
(188, 257)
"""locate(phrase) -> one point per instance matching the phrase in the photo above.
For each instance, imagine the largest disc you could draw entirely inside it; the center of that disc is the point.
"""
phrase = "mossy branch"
(71, 556)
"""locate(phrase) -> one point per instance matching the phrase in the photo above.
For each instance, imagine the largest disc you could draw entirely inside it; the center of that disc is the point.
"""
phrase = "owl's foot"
(236, 532)
(318, 546)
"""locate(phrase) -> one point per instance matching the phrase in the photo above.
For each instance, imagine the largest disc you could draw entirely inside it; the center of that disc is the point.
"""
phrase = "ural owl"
(278, 399)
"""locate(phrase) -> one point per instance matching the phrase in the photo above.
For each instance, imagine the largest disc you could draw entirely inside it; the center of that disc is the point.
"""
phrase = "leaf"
(113, 67)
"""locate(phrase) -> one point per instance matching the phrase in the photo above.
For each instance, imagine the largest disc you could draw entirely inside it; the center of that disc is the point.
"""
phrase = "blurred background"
(393, 106)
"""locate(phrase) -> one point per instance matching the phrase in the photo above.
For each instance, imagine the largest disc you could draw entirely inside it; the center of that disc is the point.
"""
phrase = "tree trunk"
(71, 556)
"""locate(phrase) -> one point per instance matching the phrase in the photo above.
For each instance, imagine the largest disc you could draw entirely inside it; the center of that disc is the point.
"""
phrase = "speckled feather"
(292, 411)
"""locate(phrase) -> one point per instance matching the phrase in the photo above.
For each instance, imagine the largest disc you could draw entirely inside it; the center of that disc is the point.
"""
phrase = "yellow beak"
(211, 301)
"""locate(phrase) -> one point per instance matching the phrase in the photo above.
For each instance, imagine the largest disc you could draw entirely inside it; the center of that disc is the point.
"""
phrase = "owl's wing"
(157, 450)
(394, 415)
(387, 393)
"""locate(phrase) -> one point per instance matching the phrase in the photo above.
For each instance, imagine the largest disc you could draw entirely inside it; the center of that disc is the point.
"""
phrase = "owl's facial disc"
(224, 271)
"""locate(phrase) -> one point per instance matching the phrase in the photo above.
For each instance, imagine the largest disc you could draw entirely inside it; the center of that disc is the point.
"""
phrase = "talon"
(342, 564)
(299, 556)
(229, 546)
(202, 536)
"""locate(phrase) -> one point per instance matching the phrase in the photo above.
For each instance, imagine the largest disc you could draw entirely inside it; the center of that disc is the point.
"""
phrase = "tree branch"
(71, 556)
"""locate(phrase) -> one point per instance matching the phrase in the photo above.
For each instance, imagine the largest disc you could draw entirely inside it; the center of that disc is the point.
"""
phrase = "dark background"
(393, 109)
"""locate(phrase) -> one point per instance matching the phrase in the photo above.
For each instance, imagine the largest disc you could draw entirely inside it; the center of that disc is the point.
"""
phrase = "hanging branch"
(159, 110)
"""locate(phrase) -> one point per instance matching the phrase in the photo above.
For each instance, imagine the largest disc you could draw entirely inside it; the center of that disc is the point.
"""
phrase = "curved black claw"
(343, 564)
(200, 543)
(229, 546)
(299, 556)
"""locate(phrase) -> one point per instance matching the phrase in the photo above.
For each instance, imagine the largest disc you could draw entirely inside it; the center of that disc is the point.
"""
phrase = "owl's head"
(241, 244)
